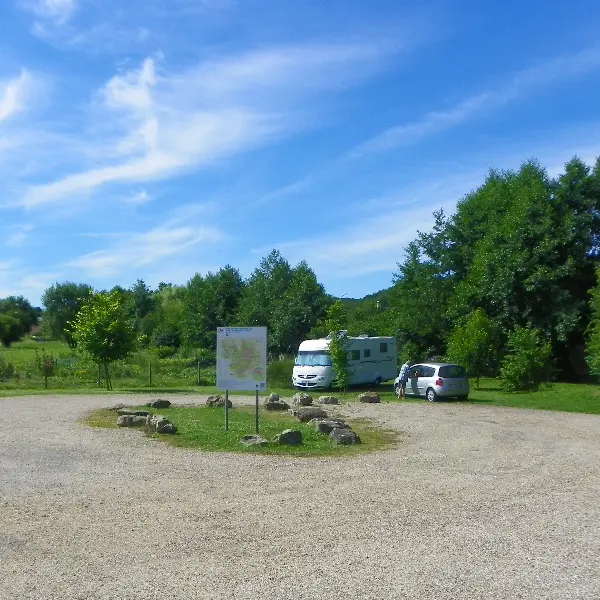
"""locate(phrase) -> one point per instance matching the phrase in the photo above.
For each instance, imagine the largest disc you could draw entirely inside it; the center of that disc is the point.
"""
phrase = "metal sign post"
(256, 409)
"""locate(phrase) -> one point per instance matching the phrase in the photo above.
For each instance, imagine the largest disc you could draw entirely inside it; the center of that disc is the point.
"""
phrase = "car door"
(412, 385)
(426, 378)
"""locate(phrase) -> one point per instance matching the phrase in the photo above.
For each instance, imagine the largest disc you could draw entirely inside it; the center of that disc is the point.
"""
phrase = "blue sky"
(155, 139)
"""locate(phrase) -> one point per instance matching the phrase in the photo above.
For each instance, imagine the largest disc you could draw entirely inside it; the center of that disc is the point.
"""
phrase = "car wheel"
(378, 381)
(431, 395)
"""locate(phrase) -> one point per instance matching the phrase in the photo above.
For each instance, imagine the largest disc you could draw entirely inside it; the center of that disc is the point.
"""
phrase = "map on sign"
(241, 358)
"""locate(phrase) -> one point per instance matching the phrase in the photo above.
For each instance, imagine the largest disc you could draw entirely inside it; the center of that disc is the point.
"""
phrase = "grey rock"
(159, 424)
(302, 399)
(128, 411)
(343, 436)
(369, 397)
(218, 401)
(328, 425)
(306, 413)
(327, 400)
(165, 426)
(131, 421)
(289, 437)
(159, 404)
(254, 440)
(273, 402)
(116, 407)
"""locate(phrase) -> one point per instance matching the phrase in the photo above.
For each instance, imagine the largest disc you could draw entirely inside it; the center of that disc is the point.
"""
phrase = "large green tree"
(62, 302)
(18, 317)
(288, 301)
(103, 329)
(474, 344)
(522, 247)
(210, 301)
(297, 311)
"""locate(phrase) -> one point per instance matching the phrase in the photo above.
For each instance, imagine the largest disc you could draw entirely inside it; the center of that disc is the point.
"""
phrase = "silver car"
(436, 380)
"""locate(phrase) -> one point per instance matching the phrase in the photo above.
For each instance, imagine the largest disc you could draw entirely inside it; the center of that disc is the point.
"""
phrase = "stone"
(306, 413)
(343, 436)
(117, 407)
(218, 401)
(302, 399)
(131, 421)
(274, 402)
(254, 440)
(370, 397)
(165, 426)
(328, 425)
(137, 413)
(327, 400)
(159, 404)
(289, 437)
(159, 424)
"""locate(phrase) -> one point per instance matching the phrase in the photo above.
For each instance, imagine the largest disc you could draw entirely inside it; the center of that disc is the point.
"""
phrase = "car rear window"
(452, 371)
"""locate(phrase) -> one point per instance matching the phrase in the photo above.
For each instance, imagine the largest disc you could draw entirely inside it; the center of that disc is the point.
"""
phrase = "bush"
(204, 356)
(7, 370)
(527, 362)
(279, 373)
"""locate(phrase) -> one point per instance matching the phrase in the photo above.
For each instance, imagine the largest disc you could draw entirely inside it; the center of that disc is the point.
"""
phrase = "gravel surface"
(475, 502)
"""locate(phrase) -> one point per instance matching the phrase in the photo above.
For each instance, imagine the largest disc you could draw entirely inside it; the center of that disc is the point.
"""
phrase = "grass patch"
(203, 427)
(567, 397)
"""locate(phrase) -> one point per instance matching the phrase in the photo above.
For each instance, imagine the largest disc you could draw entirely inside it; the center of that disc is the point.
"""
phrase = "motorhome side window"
(354, 355)
(383, 347)
(367, 353)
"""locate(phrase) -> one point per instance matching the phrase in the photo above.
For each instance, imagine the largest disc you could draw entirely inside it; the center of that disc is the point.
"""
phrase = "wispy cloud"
(56, 11)
(19, 235)
(14, 94)
(389, 223)
(161, 123)
(133, 251)
(138, 198)
(522, 84)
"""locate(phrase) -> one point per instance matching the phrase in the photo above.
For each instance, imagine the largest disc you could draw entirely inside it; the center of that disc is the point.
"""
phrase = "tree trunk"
(107, 377)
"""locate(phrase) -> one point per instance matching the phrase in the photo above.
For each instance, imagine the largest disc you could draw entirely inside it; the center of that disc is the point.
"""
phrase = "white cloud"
(138, 198)
(143, 249)
(152, 124)
(521, 84)
(58, 11)
(14, 94)
(19, 236)
(389, 223)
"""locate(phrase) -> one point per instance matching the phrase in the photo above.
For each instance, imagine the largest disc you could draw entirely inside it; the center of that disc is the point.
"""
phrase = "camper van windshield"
(313, 359)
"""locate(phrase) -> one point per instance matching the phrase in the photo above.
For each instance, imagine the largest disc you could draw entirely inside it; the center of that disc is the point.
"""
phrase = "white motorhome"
(370, 360)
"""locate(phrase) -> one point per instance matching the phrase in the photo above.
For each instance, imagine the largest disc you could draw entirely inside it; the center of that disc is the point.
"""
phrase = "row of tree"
(519, 253)
(288, 300)
(514, 265)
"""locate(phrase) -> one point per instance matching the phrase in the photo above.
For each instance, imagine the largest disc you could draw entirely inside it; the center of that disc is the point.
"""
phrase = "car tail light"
(439, 382)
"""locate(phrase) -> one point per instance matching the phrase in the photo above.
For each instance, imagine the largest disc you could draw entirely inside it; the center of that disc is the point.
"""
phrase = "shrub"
(7, 370)
(527, 362)
(279, 373)
(472, 345)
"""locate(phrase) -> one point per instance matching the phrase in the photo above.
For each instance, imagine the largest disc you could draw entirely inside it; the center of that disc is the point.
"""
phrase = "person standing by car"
(403, 379)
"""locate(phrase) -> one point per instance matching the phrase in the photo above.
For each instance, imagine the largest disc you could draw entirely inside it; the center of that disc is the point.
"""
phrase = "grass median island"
(203, 427)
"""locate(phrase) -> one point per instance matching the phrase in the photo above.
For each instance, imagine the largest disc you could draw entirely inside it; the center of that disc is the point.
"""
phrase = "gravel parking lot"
(475, 502)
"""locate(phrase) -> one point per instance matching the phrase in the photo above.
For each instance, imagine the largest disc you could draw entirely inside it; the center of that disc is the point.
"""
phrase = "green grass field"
(76, 376)
(203, 427)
